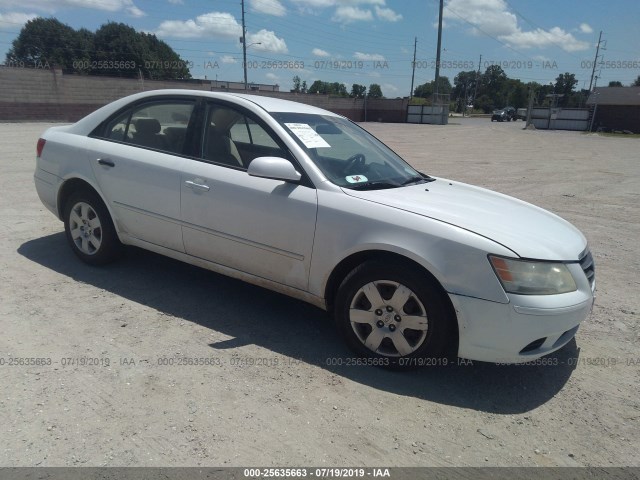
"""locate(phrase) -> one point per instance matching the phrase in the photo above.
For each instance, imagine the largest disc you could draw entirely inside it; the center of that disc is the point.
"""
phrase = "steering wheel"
(354, 161)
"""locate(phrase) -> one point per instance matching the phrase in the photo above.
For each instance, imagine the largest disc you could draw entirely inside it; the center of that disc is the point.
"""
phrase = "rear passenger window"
(159, 125)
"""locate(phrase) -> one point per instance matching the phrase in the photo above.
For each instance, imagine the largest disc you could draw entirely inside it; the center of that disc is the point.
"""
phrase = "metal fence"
(560, 118)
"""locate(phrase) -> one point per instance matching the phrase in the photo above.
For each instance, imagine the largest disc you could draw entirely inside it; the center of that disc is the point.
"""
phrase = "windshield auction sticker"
(307, 135)
(356, 178)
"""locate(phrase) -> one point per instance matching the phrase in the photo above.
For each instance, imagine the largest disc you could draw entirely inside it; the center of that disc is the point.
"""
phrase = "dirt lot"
(270, 398)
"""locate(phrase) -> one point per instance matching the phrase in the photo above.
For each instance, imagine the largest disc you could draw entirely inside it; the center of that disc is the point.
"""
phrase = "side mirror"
(274, 167)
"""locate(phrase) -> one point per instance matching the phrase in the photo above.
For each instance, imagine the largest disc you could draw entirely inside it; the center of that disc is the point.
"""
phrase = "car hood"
(527, 230)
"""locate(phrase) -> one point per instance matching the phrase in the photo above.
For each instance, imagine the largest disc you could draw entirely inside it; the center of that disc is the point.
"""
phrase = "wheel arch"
(74, 184)
(346, 265)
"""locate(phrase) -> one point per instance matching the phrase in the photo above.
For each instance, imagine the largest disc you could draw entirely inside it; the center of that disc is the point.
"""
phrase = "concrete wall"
(38, 94)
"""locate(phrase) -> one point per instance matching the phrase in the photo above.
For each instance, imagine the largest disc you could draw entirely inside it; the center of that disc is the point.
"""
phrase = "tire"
(89, 229)
(376, 298)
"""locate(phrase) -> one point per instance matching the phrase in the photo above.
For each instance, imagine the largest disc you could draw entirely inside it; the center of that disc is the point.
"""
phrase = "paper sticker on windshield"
(307, 135)
(356, 178)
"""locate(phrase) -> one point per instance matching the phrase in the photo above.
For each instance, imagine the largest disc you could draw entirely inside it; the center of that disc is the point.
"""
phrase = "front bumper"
(524, 329)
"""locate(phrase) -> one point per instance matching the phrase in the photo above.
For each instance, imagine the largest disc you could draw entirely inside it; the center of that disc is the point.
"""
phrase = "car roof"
(270, 104)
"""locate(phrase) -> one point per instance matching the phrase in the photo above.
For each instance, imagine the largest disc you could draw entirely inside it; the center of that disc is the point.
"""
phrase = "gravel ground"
(270, 396)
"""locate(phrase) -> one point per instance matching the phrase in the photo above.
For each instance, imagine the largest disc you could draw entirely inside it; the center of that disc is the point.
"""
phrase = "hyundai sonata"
(303, 201)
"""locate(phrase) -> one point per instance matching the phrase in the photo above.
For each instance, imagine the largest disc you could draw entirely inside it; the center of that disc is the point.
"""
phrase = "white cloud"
(387, 14)
(268, 41)
(135, 11)
(221, 25)
(270, 7)
(540, 38)
(493, 17)
(318, 52)
(228, 59)
(541, 58)
(368, 56)
(213, 24)
(15, 20)
(348, 14)
(272, 76)
(586, 28)
(389, 87)
(49, 6)
(336, 3)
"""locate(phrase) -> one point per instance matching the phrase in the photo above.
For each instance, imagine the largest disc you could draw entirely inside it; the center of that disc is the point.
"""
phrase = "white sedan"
(303, 201)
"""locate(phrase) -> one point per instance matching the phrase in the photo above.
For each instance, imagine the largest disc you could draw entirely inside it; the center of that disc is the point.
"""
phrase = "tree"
(565, 83)
(464, 88)
(358, 91)
(296, 84)
(615, 83)
(119, 45)
(518, 93)
(426, 90)
(326, 88)
(375, 91)
(636, 82)
(114, 49)
(303, 88)
(45, 41)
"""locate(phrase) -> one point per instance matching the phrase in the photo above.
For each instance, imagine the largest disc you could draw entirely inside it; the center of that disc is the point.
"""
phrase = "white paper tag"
(307, 135)
(356, 179)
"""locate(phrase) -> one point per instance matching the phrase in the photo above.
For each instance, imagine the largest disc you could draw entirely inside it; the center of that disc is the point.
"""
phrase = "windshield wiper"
(423, 178)
(374, 185)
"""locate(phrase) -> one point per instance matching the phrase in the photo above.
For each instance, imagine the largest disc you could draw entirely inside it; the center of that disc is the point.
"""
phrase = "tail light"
(40, 146)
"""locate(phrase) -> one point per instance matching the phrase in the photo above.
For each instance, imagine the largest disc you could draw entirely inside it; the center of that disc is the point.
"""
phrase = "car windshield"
(348, 155)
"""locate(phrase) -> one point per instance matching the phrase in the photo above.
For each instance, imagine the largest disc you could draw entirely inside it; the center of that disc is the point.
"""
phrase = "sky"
(368, 41)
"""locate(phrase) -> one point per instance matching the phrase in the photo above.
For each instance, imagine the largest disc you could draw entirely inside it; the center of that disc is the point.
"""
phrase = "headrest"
(147, 125)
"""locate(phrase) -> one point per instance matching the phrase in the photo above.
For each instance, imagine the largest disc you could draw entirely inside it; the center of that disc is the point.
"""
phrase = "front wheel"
(391, 312)
(89, 229)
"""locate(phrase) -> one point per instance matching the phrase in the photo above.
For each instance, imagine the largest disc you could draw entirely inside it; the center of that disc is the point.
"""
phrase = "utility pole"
(413, 73)
(439, 46)
(595, 107)
(244, 47)
(595, 61)
(530, 107)
(475, 90)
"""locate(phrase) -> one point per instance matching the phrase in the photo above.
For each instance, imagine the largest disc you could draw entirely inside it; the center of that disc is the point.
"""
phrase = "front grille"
(588, 267)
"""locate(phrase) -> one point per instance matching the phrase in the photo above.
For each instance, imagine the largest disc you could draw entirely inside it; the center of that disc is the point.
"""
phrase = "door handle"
(198, 186)
(107, 162)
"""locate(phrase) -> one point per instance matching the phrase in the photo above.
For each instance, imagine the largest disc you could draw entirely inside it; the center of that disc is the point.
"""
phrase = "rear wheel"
(392, 313)
(89, 229)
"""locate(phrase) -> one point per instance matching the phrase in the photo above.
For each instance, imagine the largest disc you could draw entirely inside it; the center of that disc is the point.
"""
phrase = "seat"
(147, 133)
(220, 148)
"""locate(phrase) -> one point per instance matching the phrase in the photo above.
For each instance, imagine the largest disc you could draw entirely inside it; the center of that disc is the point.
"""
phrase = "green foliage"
(115, 49)
(45, 41)
(615, 83)
(358, 91)
(426, 90)
(327, 88)
(636, 82)
(375, 91)
(565, 84)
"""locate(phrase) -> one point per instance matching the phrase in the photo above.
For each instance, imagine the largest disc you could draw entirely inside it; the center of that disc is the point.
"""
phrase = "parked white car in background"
(303, 201)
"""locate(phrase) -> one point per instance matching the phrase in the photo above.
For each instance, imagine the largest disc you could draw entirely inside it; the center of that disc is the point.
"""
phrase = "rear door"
(256, 225)
(137, 158)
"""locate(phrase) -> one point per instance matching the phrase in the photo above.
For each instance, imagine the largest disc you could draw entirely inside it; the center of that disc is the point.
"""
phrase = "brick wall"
(37, 94)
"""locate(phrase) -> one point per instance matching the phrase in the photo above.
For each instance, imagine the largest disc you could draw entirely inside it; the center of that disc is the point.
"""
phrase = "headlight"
(526, 277)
